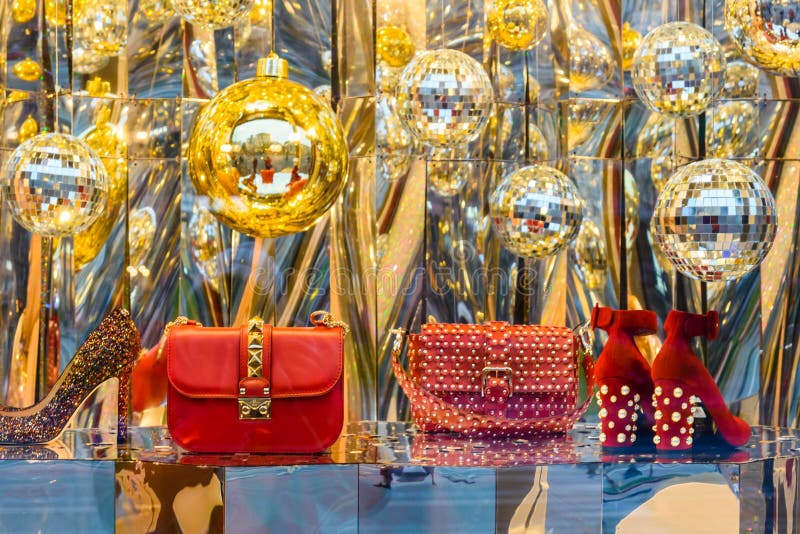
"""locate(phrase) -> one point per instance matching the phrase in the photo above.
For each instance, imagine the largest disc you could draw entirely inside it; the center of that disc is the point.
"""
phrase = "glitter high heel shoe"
(682, 382)
(623, 375)
(108, 352)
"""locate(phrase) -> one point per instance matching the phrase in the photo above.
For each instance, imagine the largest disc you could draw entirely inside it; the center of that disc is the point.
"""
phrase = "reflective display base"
(386, 477)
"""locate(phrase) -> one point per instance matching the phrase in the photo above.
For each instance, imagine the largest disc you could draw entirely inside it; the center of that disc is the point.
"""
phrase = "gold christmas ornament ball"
(678, 69)
(741, 80)
(100, 26)
(767, 33)
(55, 185)
(394, 46)
(56, 12)
(444, 97)
(23, 10)
(590, 63)
(27, 70)
(536, 211)
(268, 153)
(591, 255)
(517, 24)
(212, 14)
(631, 40)
(715, 220)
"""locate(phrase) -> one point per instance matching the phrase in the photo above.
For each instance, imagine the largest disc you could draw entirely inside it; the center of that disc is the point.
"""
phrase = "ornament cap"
(272, 66)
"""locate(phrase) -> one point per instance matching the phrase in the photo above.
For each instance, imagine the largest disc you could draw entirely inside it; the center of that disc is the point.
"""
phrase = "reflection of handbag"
(495, 379)
(256, 388)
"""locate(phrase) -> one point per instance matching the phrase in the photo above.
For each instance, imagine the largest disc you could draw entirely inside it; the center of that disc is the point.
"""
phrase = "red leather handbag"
(257, 388)
(495, 379)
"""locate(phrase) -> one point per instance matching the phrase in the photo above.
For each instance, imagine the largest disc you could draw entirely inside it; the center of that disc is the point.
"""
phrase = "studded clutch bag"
(256, 388)
(495, 379)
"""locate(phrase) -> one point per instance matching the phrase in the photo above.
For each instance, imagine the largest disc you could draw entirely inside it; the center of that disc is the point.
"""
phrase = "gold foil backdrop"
(410, 239)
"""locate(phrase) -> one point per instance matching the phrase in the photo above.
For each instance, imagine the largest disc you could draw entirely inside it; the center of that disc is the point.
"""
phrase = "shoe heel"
(674, 424)
(123, 405)
(619, 412)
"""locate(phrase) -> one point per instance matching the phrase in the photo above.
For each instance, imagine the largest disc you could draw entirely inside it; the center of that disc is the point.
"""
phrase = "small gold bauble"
(56, 12)
(590, 63)
(631, 39)
(591, 255)
(23, 10)
(767, 33)
(394, 46)
(28, 129)
(215, 14)
(517, 24)
(109, 144)
(741, 80)
(27, 70)
(100, 26)
(268, 153)
(678, 69)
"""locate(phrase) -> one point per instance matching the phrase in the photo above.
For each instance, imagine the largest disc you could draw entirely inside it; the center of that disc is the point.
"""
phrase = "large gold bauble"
(394, 46)
(109, 144)
(678, 69)
(590, 63)
(54, 184)
(100, 26)
(23, 10)
(517, 24)
(715, 220)
(591, 255)
(767, 33)
(741, 80)
(631, 40)
(444, 97)
(268, 153)
(215, 14)
(536, 211)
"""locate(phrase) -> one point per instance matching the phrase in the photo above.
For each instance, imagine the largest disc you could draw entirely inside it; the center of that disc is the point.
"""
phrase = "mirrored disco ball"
(536, 211)
(55, 185)
(444, 97)
(678, 69)
(715, 220)
(214, 14)
(767, 33)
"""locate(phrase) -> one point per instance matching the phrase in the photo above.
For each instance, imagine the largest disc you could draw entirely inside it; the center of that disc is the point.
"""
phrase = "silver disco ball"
(536, 211)
(444, 97)
(715, 220)
(55, 185)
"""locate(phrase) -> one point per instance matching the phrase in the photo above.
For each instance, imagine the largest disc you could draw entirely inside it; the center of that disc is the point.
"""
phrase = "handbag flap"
(454, 358)
(204, 362)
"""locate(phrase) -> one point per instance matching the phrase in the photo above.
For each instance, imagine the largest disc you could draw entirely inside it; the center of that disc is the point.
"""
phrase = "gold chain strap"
(179, 321)
(321, 317)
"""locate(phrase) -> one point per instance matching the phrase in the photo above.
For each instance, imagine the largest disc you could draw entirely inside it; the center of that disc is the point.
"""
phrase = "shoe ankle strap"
(694, 324)
(637, 322)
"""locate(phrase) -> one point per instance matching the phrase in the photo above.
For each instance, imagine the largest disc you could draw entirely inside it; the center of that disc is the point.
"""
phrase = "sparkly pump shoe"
(108, 352)
(682, 382)
(623, 375)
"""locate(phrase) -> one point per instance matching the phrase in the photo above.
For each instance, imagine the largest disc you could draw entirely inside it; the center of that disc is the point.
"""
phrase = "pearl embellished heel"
(619, 413)
(674, 421)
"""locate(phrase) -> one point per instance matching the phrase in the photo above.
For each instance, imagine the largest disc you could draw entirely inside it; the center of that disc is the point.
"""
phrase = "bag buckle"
(495, 371)
(255, 408)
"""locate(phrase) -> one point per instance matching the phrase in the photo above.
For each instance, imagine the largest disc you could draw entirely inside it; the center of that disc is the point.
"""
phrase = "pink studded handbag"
(495, 379)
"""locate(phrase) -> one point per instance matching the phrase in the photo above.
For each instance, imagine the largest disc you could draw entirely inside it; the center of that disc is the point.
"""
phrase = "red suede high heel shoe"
(623, 374)
(682, 382)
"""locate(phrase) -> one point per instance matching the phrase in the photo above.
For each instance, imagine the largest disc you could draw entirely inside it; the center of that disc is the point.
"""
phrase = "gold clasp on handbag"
(486, 371)
(255, 408)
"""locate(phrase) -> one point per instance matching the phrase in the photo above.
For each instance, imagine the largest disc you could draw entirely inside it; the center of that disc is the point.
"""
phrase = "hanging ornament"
(28, 129)
(100, 26)
(537, 144)
(56, 12)
(591, 255)
(448, 170)
(394, 46)
(204, 244)
(631, 40)
(729, 127)
(741, 80)
(213, 14)
(87, 62)
(766, 33)
(590, 62)
(517, 24)
(142, 224)
(536, 211)
(678, 69)
(444, 97)
(109, 144)
(23, 10)
(27, 70)
(268, 153)
(715, 220)
(54, 184)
